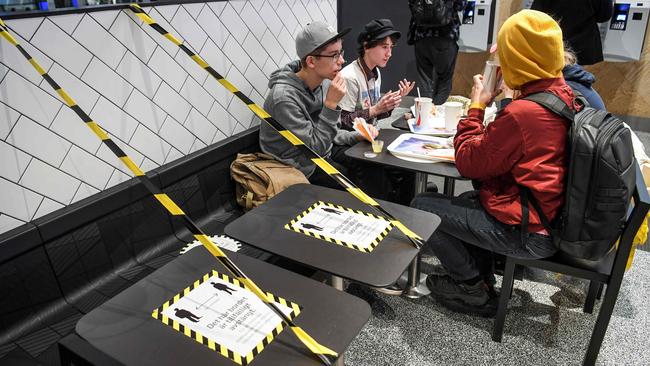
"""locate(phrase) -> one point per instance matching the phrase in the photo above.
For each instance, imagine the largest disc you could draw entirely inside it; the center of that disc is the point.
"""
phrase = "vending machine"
(625, 34)
(477, 29)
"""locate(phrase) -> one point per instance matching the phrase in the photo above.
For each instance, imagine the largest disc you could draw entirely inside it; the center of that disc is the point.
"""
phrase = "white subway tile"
(314, 11)
(163, 42)
(177, 135)
(222, 119)
(71, 127)
(217, 7)
(286, 15)
(257, 78)
(193, 9)
(240, 111)
(271, 18)
(253, 20)
(237, 5)
(255, 122)
(257, 98)
(239, 81)
(13, 162)
(165, 66)
(148, 165)
(151, 145)
(87, 168)
(67, 22)
(83, 192)
(191, 67)
(105, 17)
(286, 59)
(287, 42)
(26, 27)
(117, 177)
(236, 54)
(200, 126)
(257, 4)
(107, 82)
(133, 37)
(17, 201)
(217, 32)
(98, 41)
(197, 96)
(272, 47)
(83, 94)
(167, 11)
(269, 67)
(218, 91)
(107, 155)
(114, 120)
(173, 155)
(139, 75)
(255, 50)
(8, 118)
(38, 141)
(61, 47)
(240, 128)
(172, 102)
(198, 145)
(11, 57)
(216, 58)
(3, 71)
(184, 24)
(230, 18)
(301, 13)
(28, 99)
(145, 111)
(7, 223)
(219, 136)
(46, 207)
(50, 182)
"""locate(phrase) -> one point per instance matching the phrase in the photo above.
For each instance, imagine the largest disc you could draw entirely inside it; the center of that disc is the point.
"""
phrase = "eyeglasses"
(334, 57)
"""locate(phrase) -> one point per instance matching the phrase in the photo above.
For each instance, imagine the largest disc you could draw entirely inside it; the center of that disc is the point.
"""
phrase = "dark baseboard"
(641, 124)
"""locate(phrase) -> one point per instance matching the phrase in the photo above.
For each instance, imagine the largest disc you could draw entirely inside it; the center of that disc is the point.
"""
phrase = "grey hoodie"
(302, 112)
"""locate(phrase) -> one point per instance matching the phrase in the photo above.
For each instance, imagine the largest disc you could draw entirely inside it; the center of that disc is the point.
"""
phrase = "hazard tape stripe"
(293, 139)
(324, 353)
(200, 338)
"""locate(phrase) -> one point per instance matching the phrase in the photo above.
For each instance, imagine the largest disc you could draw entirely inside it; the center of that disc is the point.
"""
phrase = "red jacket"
(525, 145)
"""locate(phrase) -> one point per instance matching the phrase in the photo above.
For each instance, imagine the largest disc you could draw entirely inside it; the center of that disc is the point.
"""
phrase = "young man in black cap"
(297, 101)
(363, 79)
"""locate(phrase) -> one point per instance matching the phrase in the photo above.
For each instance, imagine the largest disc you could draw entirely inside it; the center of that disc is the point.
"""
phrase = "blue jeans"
(468, 235)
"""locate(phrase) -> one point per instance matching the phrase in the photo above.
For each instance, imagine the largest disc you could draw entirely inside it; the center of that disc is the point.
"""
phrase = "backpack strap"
(525, 196)
(553, 103)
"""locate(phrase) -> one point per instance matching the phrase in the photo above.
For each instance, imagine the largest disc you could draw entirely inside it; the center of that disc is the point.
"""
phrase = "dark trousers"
(468, 235)
(389, 184)
(435, 58)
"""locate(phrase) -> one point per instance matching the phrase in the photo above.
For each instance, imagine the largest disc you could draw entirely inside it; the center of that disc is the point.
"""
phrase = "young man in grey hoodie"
(298, 102)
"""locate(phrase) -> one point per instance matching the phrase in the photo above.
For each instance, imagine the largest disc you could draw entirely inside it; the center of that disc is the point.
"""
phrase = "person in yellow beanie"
(524, 146)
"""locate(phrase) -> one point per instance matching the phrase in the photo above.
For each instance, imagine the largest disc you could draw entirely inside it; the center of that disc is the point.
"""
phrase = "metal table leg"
(414, 282)
(448, 189)
(337, 283)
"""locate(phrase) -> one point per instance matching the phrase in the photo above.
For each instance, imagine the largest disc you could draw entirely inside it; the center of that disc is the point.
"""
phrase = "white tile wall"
(135, 84)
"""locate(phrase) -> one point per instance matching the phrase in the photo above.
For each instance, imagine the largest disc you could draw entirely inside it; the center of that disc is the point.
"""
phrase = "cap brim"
(340, 34)
(388, 33)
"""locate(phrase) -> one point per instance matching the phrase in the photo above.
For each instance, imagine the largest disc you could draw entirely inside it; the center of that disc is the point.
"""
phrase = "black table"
(263, 228)
(124, 329)
(446, 170)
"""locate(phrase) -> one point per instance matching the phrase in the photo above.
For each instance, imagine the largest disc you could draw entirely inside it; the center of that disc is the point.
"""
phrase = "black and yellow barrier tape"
(327, 355)
(288, 135)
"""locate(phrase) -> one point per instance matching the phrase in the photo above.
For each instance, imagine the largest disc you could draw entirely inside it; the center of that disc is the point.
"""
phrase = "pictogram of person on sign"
(223, 287)
(185, 314)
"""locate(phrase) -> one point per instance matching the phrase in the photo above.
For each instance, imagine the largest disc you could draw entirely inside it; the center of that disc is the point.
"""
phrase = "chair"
(608, 271)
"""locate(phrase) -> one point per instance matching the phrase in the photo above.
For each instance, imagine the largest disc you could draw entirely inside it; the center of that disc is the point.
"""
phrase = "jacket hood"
(577, 74)
(287, 76)
(530, 48)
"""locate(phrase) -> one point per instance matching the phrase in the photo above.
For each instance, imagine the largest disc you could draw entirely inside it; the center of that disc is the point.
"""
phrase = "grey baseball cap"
(314, 35)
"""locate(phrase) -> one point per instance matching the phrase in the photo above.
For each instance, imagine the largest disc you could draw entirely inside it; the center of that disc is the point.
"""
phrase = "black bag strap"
(525, 196)
(553, 103)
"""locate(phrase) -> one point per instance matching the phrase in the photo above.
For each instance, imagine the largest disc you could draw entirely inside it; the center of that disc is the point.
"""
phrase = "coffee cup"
(492, 76)
(377, 146)
(453, 110)
(423, 111)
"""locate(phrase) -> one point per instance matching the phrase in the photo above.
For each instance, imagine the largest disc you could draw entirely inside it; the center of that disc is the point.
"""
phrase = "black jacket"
(578, 20)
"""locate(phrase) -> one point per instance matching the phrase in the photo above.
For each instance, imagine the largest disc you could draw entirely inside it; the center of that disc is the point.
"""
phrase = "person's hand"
(479, 94)
(405, 87)
(387, 103)
(374, 132)
(335, 92)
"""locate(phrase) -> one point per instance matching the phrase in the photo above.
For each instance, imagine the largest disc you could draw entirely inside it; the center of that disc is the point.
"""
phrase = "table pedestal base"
(413, 282)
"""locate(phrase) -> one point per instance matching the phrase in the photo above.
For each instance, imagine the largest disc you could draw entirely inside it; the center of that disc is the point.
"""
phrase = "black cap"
(378, 29)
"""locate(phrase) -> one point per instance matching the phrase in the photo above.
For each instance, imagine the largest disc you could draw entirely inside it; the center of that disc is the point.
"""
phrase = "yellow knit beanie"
(530, 48)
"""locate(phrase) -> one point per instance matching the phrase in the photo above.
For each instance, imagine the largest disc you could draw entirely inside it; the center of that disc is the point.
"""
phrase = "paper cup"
(492, 76)
(423, 108)
(453, 110)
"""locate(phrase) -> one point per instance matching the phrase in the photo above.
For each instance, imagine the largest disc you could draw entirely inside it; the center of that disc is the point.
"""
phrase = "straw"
(418, 88)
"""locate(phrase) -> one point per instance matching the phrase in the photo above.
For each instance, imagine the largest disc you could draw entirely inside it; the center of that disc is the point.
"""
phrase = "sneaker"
(393, 290)
(446, 288)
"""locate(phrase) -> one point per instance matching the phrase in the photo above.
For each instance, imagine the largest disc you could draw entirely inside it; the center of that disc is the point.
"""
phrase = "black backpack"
(432, 13)
(600, 181)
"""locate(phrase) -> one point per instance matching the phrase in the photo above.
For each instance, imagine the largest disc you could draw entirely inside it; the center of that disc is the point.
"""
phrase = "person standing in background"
(436, 47)
(579, 22)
